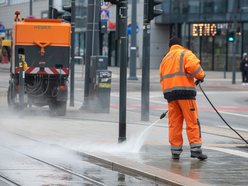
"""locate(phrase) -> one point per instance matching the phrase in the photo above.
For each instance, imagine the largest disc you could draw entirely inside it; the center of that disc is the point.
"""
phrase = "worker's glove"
(198, 81)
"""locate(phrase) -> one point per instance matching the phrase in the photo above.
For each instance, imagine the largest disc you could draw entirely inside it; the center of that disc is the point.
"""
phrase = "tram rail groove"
(98, 161)
(7, 180)
(57, 167)
(66, 170)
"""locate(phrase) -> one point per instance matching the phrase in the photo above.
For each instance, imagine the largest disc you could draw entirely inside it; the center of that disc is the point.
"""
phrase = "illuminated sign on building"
(204, 29)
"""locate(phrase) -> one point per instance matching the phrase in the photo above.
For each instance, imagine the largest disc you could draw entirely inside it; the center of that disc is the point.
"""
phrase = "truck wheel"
(11, 96)
(58, 107)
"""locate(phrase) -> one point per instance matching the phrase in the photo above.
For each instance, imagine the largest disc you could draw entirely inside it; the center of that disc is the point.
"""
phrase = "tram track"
(58, 167)
(67, 170)
(84, 157)
(8, 181)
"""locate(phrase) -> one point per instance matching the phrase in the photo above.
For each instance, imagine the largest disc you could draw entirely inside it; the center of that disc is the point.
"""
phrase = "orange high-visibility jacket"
(177, 72)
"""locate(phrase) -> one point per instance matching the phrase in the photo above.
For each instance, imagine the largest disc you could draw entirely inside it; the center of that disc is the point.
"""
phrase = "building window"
(194, 6)
(245, 35)
(179, 6)
(212, 47)
(244, 5)
(220, 6)
(213, 6)
(12, 2)
(207, 7)
(3, 2)
(220, 51)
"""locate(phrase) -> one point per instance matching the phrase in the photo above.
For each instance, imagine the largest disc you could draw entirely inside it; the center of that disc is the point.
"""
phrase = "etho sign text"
(202, 29)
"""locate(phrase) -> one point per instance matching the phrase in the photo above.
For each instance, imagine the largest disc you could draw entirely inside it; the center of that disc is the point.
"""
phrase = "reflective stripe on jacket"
(177, 72)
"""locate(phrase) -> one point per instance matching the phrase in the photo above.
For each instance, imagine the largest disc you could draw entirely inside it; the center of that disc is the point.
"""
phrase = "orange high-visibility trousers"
(180, 110)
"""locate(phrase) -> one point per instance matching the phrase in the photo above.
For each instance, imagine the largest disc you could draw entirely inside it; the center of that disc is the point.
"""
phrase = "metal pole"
(50, 6)
(88, 52)
(133, 49)
(21, 80)
(105, 44)
(96, 29)
(117, 37)
(235, 50)
(31, 7)
(233, 64)
(235, 43)
(122, 29)
(72, 65)
(145, 87)
(92, 44)
(225, 66)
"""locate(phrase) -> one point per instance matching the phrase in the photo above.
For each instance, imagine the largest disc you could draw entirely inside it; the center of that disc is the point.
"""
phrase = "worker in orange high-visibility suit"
(177, 72)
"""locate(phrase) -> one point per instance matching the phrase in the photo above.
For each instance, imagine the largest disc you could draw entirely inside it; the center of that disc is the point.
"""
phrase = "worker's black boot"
(199, 155)
(175, 152)
(175, 156)
(196, 151)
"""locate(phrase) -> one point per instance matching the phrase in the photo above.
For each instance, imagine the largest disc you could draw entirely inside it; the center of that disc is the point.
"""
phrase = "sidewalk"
(227, 164)
(95, 135)
(213, 78)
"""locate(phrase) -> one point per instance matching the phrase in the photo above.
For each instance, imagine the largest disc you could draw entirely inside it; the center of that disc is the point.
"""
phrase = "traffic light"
(56, 14)
(113, 2)
(231, 36)
(65, 14)
(152, 11)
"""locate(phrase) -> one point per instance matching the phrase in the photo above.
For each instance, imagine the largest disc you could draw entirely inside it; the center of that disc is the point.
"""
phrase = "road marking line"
(235, 114)
(236, 128)
(222, 92)
(229, 151)
(138, 98)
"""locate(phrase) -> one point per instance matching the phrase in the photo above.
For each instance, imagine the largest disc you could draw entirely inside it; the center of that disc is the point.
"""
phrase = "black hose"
(220, 115)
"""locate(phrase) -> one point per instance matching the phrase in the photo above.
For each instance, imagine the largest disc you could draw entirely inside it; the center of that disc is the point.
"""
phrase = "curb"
(134, 168)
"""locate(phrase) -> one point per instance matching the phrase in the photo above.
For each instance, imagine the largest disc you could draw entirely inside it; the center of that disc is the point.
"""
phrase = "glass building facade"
(204, 26)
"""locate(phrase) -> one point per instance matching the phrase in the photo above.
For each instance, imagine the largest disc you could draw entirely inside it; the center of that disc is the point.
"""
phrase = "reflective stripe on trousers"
(178, 111)
(195, 147)
(176, 150)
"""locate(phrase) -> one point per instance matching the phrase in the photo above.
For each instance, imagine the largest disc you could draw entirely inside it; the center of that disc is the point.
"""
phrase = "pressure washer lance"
(163, 114)
(198, 82)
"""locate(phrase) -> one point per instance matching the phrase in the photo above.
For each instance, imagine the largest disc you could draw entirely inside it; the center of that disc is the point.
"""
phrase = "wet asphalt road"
(27, 161)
